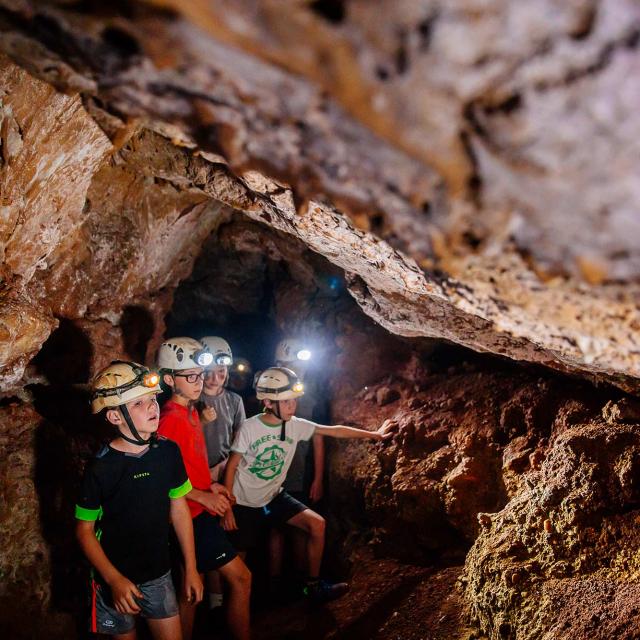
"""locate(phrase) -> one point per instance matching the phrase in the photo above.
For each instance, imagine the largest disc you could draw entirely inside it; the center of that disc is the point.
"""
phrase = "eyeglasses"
(190, 377)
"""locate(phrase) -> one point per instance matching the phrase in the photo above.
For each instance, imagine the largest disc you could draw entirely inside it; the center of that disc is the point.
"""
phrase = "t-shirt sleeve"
(170, 428)
(304, 428)
(242, 440)
(180, 484)
(240, 416)
(89, 504)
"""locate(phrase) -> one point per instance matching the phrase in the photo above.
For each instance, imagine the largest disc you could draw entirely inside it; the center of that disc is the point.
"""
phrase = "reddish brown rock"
(570, 536)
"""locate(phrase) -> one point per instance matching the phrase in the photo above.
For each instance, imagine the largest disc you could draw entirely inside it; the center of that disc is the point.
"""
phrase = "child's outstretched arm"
(229, 521)
(123, 590)
(181, 520)
(340, 431)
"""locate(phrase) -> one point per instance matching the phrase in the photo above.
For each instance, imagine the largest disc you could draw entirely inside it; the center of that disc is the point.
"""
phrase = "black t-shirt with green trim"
(129, 497)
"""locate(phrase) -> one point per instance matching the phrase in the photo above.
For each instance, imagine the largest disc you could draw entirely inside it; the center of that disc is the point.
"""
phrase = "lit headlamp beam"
(203, 358)
(303, 354)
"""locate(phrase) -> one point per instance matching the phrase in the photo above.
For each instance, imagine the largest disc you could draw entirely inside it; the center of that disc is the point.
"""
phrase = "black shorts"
(213, 549)
(254, 522)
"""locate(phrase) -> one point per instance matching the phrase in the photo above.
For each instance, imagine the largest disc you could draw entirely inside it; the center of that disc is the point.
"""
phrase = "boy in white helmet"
(228, 409)
(305, 476)
(221, 415)
(181, 362)
(131, 491)
(261, 455)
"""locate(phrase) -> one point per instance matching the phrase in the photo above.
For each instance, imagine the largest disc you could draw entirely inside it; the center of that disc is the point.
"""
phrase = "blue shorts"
(158, 601)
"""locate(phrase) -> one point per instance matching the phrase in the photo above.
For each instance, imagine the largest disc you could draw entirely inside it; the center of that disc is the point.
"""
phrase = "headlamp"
(298, 387)
(143, 376)
(151, 379)
(203, 358)
(241, 367)
(303, 354)
(223, 359)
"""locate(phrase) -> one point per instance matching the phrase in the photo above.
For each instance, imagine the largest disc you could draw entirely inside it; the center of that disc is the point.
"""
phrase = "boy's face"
(287, 408)
(187, 383)
(214, 379)
(144, 412)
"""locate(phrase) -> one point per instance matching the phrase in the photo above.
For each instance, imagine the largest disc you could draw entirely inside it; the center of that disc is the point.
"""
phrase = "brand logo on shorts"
(269, 463)
(145, 474)
(222, 555)
(108, 623)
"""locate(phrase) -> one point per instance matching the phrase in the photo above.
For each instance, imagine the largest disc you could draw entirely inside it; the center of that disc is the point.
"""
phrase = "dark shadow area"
(65, 439)
(137, 327)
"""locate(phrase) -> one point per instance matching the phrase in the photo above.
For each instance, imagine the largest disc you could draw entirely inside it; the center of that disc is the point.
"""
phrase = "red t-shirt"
(188, 435)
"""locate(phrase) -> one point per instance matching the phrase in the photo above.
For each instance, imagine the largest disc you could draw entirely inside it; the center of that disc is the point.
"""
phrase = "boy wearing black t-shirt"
(131, 492)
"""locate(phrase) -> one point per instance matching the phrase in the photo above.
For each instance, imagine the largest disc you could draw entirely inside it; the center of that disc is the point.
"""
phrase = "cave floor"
(387, 600)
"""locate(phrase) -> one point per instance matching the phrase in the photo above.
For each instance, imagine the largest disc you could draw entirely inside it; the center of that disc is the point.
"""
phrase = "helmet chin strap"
(277, 414)
(137, 438)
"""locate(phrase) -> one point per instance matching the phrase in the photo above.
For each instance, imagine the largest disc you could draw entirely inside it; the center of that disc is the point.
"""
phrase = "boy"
(305, 477)
(133, 489)
(261, 455)
(228, 409)
(181, 362)
(222, 414)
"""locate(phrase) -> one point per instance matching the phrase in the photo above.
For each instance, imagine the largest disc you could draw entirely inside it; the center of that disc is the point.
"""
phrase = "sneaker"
(323, 591)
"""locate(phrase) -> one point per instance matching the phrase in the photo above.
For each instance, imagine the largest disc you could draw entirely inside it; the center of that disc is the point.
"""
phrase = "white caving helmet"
(292, 350)
(220, 350)
(278, 383)
(122, 382)
(177, 354)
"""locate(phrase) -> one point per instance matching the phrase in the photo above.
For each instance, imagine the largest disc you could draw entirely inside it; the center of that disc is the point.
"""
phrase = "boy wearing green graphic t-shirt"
(260, 457)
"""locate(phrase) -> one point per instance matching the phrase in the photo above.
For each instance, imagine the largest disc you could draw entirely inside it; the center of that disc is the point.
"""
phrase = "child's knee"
(317, 525)
(241, 578)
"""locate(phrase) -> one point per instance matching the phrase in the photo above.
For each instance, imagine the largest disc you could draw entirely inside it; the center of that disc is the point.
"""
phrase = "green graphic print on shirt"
(269, 462)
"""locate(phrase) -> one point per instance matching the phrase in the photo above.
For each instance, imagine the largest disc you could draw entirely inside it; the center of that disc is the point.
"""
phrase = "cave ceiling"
(485, 194)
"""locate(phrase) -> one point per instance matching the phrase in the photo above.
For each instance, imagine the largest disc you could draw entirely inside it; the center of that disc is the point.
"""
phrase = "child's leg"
(299, 545)
(165, 628)
(314, 525)
(122, 636)
(187, 611)
(238, 577)
(276, 546)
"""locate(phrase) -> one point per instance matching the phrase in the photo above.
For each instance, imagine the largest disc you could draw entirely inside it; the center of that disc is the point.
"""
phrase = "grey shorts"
(159, 601)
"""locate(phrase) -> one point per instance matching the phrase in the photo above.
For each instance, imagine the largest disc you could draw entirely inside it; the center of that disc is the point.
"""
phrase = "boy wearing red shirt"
(181, 362)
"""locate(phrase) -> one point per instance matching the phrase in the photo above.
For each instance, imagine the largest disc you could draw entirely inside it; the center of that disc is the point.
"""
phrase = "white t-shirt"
(265, 458)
